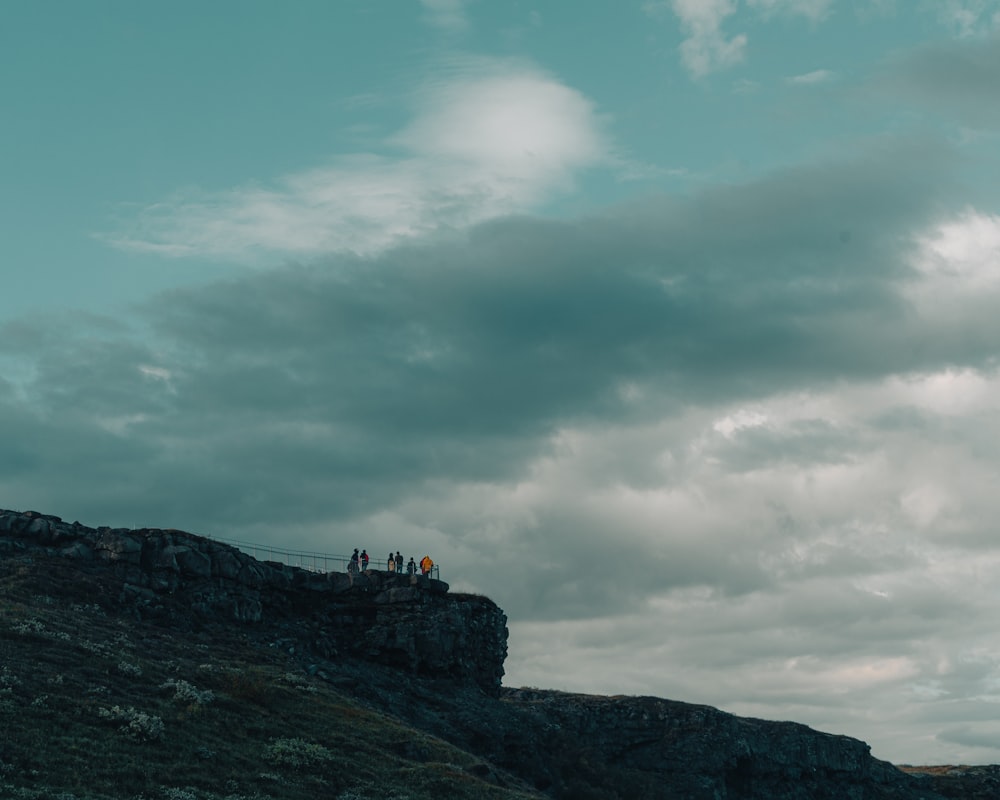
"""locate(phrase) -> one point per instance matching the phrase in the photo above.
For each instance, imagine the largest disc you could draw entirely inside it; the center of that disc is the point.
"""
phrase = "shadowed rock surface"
(408, 622)
(434, 660)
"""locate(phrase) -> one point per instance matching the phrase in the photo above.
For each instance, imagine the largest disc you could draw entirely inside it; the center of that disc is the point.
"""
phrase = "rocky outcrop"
(585, 747)
(700, 752)
(434, 660)
(406, 622)
(961, 782)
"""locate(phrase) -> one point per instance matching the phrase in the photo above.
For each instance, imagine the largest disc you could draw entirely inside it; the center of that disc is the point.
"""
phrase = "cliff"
(425, 659)
(407, 622)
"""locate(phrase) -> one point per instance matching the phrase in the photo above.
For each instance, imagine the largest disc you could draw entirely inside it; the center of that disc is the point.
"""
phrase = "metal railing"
(311, 560)
(306, 559)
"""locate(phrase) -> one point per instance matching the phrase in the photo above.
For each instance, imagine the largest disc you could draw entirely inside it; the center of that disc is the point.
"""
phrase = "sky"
(671, 326)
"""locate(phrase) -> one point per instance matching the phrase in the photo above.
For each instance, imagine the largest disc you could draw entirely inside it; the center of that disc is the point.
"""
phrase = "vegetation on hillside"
(95, 706)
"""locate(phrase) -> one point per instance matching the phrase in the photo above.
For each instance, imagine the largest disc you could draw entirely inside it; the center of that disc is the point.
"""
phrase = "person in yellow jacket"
(426, 565)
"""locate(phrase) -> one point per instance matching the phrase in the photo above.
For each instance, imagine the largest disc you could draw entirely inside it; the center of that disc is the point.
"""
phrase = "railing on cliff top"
(306, 559)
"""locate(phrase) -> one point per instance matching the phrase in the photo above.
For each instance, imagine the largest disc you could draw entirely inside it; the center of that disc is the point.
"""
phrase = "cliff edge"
(432, 661)
(407, 622)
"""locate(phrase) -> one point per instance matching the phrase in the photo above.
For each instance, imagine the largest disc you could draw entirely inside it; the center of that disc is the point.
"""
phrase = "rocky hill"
(209, 674)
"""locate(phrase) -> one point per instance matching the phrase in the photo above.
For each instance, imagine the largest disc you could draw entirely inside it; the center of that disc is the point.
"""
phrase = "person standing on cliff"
(364, 560)
(411, 567)
(425, 566)
(399, 563)
(391, 566)
(353, 566)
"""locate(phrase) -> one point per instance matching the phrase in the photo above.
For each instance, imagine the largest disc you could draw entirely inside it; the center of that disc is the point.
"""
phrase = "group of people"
(394, 564)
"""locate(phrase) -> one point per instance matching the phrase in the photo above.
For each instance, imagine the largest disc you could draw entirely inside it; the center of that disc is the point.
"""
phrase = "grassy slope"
(81, 692)
(96, 705)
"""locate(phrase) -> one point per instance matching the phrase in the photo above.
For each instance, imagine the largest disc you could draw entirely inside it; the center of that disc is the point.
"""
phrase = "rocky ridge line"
(406, 622)
(434, 659)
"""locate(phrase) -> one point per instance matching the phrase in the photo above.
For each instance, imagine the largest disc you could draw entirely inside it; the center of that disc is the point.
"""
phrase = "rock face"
(961, 782)
(701, 752)
(409, 623)
(434, 659)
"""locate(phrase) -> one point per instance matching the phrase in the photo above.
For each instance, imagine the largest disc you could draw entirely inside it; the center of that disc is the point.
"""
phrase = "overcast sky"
(671, 326)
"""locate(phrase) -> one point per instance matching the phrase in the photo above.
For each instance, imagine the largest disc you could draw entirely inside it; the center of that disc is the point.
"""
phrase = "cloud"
(812, 78)
(706, 48)
(813, 9)
(978, 736)
(446, 14)
(960, 79)
(706, 447)
(745, 86)
(462, 359)
(486, 140)
(523, 127)
(969, 18)
(959, 257)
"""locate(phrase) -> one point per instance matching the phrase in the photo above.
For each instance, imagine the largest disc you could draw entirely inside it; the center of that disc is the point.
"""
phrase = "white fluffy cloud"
(707, 48)
(957, 270)
(824, 557)
(519, 129)
(490, 139)
(971, 17)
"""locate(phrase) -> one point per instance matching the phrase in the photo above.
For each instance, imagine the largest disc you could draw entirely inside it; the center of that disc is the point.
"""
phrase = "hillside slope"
(159, 664)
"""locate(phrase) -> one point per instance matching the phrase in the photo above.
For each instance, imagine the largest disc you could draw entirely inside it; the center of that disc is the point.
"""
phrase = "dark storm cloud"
(961, 77)
(334, 390)
(65, 464)
(324, 393)
(525, 323)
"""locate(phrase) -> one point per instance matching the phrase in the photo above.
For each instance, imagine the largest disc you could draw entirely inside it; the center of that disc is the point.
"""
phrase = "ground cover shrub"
(96, 704)
(296, 753)
(185, 692)
(136, 725)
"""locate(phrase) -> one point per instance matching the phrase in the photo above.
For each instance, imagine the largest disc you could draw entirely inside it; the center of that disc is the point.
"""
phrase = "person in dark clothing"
(391, 565)
(364, 560)
(399, 563)
(411, 567)
(353, 566)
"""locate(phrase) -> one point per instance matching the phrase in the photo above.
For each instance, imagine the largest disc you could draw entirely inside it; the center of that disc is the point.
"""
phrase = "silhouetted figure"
(364, 560)
(411, 568)
(391, 565)
(399, 563)
(353, 566)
